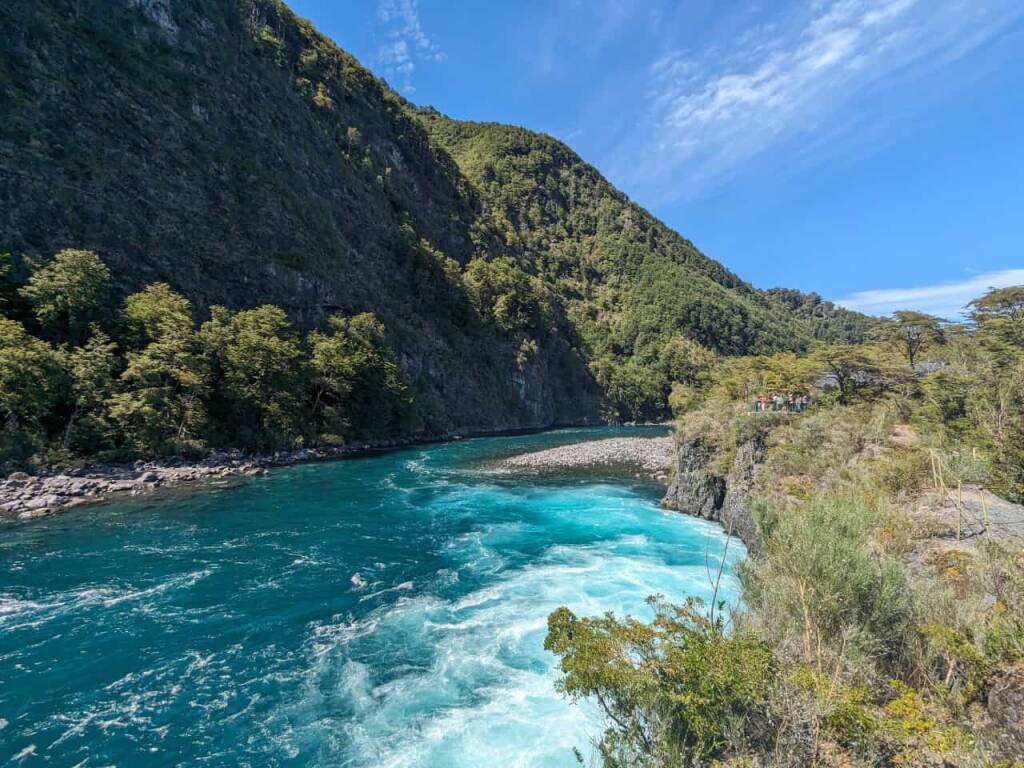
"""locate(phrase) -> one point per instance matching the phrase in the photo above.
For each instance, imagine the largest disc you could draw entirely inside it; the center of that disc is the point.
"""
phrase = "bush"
(819, 590)
(672, 688)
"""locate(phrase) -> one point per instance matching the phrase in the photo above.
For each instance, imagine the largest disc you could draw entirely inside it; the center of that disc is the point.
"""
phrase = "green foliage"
(671, 688)
(911, 334)
(823, 585)
(156, 313)
(360, 390)
(92, 370)
(1000, 313)
(507, 296)
(830, 324)
(243, 379)
(633, 289)
(161, 408)
(608, 280)
(858, 372)
(1001, 573)
(262, 371)
(632, 393)
(685, 361)
(877, 659)
(8, 287)
(31, 384)
(68, 294)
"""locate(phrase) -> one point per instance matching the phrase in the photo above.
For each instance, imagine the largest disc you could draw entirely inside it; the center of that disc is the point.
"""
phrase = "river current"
(380, 611)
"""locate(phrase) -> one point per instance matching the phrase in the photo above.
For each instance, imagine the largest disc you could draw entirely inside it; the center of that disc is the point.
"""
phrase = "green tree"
(156, 312)
(91, 368)
(911, 333)
(685, 361)
(161, 407)
(856, 370)
(1000, 312)
(262, 375)
(633, 392)
(68, 294)
(7, 288)
(358, 386)
(32, 382)
(506, 295)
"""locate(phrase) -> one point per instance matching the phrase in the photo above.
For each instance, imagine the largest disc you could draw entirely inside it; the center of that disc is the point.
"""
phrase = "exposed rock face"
(697, 490)
(736, 513)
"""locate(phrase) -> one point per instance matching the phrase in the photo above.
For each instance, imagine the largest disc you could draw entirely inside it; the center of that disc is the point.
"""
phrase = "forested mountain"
(226, 148)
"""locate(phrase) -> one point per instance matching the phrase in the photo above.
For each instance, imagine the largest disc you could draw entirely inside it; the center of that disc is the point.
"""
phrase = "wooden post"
(959, 509)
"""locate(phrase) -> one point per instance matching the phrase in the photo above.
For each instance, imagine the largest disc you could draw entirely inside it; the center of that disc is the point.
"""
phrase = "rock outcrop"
(736, 513)
(697, 490)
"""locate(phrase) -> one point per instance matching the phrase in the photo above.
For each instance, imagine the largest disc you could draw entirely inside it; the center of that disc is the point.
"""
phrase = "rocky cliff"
(697, 489)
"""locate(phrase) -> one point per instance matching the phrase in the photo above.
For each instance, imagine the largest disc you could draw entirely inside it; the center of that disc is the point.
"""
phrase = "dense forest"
(229, 152)
(882, 600)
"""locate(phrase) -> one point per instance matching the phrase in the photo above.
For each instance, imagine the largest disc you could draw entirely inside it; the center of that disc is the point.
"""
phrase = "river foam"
(230, 628)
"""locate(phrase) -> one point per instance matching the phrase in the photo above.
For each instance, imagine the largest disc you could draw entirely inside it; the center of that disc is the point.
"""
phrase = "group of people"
(792, 402)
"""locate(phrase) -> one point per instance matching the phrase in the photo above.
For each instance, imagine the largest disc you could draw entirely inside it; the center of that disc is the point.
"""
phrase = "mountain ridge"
(231, 150)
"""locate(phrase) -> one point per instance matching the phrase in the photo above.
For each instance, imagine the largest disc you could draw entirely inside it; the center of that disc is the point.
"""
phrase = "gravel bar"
(649, 455)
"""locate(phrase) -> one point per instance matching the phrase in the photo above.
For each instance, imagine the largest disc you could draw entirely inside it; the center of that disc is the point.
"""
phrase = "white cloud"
(708, 114)
(944, 300)
(407, 44)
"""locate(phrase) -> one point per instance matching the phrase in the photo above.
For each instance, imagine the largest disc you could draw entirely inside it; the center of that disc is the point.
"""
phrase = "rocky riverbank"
(650, 456)
(696, 489)
(24, 496)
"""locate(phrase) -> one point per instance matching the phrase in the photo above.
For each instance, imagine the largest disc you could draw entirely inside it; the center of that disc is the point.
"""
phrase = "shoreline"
(25, 496)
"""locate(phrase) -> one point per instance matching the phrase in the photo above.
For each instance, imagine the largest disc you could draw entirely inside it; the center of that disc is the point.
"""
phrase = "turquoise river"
(379, 611)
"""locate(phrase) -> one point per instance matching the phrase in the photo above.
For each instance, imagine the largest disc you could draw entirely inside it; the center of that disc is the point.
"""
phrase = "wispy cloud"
(570, 29)
(944, 300)
(406, 44)
(787, 78)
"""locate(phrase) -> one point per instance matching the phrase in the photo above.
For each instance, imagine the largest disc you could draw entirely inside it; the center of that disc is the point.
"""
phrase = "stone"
(43, 502)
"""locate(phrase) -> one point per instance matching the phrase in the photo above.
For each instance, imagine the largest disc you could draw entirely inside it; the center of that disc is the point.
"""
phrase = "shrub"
(672, 688)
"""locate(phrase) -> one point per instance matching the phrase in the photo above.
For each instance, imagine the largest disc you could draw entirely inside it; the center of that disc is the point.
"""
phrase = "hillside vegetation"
(882, 613)
(227, 150)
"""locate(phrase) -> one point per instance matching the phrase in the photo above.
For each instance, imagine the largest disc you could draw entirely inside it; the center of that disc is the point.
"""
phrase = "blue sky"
(869, 150)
